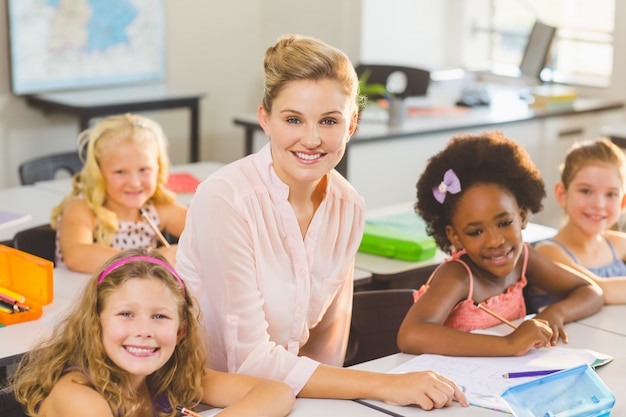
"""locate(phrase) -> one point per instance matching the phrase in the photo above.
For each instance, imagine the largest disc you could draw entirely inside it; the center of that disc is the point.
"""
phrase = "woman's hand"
(426, 389)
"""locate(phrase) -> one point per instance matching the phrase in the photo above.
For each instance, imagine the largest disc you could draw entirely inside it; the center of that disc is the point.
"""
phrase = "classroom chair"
(39, 241)
(376, 318)
(417, 79)
(46, 167)
(9, 407)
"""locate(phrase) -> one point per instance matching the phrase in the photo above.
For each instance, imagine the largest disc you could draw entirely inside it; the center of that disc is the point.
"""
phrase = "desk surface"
(27, 199)
(610, 318)
(581, 336)
(86, 99)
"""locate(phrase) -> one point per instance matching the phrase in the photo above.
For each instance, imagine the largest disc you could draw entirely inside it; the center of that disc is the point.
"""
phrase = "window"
(582, 51)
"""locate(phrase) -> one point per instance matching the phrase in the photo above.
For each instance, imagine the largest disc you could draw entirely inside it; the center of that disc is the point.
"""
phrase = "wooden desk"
(87, 104)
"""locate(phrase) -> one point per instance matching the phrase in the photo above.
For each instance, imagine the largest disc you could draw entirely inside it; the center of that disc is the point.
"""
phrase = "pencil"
(494, 314)
(530, 373)
(187, 412)
(154, 228)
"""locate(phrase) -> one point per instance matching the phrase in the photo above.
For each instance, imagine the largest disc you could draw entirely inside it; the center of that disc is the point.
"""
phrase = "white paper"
(481, 378)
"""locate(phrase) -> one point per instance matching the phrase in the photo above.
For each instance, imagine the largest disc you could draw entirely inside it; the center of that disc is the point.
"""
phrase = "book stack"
(550, 97)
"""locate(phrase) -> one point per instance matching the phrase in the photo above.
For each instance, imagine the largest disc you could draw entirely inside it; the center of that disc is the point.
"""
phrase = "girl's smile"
(488, 224)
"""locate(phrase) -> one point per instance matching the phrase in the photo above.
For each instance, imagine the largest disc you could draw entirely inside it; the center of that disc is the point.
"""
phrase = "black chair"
(39, 241)
(416, 80)
(376, 318)
(47, 167)
(9, 407)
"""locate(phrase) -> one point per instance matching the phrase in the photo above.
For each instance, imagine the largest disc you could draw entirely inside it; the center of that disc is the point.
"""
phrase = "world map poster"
(71, 44)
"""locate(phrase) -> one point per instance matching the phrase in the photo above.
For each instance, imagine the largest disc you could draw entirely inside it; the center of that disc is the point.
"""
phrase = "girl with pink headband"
(132, 346)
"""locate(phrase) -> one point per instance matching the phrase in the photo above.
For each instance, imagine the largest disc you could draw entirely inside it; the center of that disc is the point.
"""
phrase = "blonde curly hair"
(76, 343)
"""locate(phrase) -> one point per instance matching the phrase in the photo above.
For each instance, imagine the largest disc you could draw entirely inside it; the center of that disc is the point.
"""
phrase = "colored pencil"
(494, 314)
(187, 412)
(530, 373)
(154, 228)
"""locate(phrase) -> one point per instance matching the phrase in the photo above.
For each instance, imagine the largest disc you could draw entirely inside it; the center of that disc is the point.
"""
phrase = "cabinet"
(558, 135)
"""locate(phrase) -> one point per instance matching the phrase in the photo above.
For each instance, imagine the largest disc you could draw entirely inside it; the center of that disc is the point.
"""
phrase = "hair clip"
(450, 184)
(138, 123)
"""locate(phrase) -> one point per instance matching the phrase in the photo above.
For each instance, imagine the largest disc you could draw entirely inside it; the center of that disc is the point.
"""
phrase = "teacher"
(269, 242)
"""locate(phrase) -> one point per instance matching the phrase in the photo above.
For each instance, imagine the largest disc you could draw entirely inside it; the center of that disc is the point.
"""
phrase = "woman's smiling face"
(309, 126)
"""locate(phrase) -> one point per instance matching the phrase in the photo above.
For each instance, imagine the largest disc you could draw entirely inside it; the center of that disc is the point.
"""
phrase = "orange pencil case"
(29, 276)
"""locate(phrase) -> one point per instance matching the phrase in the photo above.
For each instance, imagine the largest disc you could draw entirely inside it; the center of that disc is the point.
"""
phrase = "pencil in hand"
(154, 228)
(494, 314)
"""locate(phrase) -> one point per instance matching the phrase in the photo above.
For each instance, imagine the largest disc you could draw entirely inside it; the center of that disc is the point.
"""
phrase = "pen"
(530, 373)
(187, 412)
(154, 228)
(494, 314)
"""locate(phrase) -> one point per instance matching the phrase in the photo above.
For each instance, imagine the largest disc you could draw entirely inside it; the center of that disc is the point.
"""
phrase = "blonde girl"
(125, 171)
(591, 193)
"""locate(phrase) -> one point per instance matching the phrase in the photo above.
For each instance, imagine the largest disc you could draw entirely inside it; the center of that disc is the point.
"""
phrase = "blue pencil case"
(574, 392)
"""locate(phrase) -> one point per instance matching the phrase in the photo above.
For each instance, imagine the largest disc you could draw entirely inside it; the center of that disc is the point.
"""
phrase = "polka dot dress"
(129, 235)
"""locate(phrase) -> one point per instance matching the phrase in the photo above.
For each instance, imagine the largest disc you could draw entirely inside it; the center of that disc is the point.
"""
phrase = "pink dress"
(465, 316)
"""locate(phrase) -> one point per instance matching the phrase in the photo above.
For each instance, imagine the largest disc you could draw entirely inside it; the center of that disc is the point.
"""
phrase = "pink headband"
(149, 259)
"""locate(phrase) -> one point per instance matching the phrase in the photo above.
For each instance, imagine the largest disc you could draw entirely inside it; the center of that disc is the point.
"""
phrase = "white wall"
(213, 46)
(218, 46)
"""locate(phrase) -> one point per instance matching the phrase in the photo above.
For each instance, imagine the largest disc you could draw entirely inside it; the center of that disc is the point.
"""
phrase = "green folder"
(400, 236)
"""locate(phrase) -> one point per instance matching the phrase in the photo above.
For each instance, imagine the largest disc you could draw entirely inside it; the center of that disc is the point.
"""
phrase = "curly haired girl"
(475, 197)
(132, 346)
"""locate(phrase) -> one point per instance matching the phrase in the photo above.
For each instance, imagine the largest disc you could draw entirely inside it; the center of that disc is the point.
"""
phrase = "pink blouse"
(274, 304)
(465, 316)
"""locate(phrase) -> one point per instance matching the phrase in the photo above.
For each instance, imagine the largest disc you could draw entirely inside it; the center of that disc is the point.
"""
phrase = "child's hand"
(426, 389)
(535, 333)
(554, 319)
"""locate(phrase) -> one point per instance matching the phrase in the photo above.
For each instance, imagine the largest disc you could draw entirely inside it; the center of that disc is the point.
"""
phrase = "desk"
(22, 336)
(27, 199)
(581, 336)
(383, 163)
(104, 102)
(610, 319)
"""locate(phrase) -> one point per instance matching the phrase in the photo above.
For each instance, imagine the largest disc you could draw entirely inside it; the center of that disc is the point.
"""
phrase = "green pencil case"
(401, 236)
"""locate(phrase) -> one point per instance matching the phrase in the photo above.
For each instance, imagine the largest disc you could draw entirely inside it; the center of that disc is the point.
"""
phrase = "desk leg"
(194, 145)
(249, 132)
